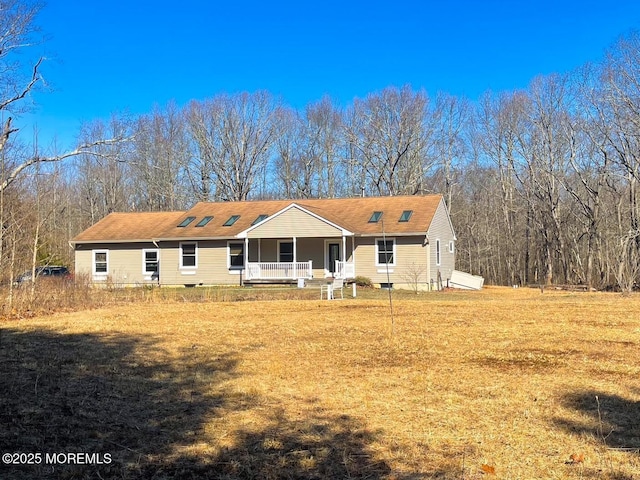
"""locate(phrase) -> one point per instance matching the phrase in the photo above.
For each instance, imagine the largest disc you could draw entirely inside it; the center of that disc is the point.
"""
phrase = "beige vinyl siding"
(83, 263)
(125, 262)
(212, 260)
(440, 229)
(211, 264)
(294, 223)
(410, 253)
(82, 260)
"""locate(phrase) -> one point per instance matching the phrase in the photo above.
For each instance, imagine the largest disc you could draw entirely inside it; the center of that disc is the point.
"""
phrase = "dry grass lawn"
(504, 384)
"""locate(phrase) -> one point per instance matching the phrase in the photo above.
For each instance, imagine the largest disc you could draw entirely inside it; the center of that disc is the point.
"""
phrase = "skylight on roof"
(186, 221)
(375, 217)
(232, 219)
(406, 215)
(260, 218)
(204, 221)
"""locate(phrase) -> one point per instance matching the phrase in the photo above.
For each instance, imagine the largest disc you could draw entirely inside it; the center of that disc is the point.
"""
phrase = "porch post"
(259, 250)
(344, 256)
(295, 257)
(246, 255)
(353, 253)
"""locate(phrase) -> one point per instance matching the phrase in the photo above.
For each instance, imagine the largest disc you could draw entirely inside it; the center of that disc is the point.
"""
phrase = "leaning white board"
(465, 280)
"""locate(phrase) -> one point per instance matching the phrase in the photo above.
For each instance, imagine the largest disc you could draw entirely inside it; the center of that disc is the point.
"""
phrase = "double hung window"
(188, 255)
(236, 255)
(385, 251)
(101, 262)
(150, 259)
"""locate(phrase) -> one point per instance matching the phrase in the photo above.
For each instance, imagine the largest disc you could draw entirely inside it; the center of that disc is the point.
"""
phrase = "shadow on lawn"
(314, 447)
(96, 394)
(613, 421)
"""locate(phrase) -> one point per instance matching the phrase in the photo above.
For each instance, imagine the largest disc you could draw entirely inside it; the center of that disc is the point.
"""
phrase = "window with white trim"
(235, 255)
(150, 261)
(100, 262)
(438, 256)
(385, 251)
(451, 246)
(189, 255)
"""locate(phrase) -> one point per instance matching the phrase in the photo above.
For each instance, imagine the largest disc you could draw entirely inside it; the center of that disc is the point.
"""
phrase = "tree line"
(541, 183)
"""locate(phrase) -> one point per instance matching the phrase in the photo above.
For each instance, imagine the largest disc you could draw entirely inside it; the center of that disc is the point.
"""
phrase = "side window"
(150, 261)
(438, 252)
(100, 262)
(188, 255)
(236, 255)
(385, 251)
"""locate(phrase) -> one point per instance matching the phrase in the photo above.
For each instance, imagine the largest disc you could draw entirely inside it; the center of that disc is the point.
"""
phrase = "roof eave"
(75, 242)
(193, 239)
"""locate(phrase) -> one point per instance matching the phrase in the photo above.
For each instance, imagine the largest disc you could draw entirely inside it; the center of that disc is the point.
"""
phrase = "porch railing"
(345, 270)
(278, 270)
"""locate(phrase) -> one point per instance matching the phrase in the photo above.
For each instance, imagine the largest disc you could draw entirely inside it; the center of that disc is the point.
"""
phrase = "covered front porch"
(277, 260)
(295, 243)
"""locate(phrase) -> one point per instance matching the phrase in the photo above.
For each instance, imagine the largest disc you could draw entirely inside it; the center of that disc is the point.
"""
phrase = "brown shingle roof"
(129, 227)
(352, 214)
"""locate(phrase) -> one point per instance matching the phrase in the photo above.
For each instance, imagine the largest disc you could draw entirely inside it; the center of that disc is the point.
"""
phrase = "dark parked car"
(51, 271)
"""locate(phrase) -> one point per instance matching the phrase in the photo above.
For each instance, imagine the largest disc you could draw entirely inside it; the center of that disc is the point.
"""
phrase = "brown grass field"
(497, 384)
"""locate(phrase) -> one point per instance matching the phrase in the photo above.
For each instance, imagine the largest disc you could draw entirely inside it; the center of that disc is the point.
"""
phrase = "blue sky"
(127, 56)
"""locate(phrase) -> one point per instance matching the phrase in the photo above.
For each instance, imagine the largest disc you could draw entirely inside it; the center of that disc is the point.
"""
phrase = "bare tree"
(619, 125)
(326, 133)
(391, 133)
(495, 130)
(589, 175)
(297, 164)
(20, 76)
(16, 32)
(159, 159)
(234, 137)
(451, 124)
(102, 176)
(416, 276)
(202, 134)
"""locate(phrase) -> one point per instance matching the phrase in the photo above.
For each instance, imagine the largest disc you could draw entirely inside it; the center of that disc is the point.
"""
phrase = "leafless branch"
(85, 148)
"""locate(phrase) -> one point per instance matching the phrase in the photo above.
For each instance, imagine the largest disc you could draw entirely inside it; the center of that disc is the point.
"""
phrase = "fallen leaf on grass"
(576, 458)
(488, 469)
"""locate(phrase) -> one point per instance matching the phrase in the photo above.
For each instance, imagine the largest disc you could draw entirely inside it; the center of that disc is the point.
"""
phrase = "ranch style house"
(397, 240)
